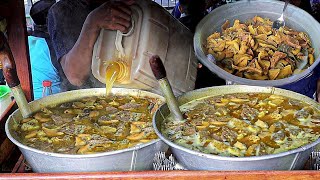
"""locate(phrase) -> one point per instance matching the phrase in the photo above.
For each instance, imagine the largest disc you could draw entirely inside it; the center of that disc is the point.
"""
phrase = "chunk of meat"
(123, 130)
(276, 57)
(99, 140)
(66, 105)
(111, 110)
(301, 114)
(73, 129)
(212, 100)
(292, 42)
(59, 120)
(248, 112)
(294, 102)
(189, 130)
(130, 106)
(68, 150)
(278, 136)
(228, 135)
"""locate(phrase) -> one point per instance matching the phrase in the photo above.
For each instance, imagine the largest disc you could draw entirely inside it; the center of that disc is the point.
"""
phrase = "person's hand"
(112, 15)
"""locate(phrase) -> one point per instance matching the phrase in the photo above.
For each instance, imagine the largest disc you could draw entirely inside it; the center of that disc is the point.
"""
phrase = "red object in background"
(47, 90)
(46, 83)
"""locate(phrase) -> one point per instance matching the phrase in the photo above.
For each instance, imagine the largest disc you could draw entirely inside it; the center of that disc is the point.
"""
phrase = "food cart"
(13, 164)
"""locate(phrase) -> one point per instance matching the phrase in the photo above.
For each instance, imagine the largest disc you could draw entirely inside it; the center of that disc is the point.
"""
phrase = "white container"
(5, 98)
(155, 32)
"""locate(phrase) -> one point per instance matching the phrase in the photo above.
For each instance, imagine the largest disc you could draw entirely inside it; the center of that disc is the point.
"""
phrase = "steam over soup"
(90, 125)
(244, 125)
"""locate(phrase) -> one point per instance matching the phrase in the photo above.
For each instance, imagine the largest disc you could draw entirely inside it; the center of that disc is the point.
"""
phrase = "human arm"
(76, 62)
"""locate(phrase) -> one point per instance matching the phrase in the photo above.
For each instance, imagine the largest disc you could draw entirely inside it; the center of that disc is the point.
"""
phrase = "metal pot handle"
(10, 74)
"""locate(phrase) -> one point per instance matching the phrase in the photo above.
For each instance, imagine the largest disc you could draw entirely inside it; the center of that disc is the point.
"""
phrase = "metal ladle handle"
(10, 74)
(159, 72)
(285, 6)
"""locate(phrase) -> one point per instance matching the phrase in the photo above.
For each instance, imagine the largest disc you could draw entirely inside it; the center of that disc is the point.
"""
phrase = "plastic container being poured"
(153, 31)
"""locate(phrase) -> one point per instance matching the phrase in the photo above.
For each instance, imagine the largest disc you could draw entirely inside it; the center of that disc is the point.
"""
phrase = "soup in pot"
(90, 125)
(241, 124)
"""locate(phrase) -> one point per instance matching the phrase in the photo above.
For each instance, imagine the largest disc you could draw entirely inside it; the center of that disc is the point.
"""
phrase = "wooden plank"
(18, 42)
(6, 149)
(19, 165)
(185, 175)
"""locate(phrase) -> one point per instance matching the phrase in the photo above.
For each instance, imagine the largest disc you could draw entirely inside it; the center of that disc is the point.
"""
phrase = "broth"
(90, 125)
(244, 125)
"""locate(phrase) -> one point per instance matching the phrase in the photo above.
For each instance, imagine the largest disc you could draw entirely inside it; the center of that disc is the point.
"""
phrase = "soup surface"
(244, 125)
(254, 50)
(90, 125)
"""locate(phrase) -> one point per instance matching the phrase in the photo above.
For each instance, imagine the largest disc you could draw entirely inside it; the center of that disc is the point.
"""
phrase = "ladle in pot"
(10, 74)
(159, 72)
(280, 21)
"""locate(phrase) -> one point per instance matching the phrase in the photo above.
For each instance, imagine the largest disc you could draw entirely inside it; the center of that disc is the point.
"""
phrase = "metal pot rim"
(227, 158)
(76, 156)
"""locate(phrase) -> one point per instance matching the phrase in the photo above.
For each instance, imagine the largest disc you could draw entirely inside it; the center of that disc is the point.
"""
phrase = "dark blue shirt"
(306, 86)
(65, 21)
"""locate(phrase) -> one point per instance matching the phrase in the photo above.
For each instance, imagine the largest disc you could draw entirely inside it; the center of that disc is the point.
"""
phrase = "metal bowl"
(295, 18)
(139, 157)
(194, 160)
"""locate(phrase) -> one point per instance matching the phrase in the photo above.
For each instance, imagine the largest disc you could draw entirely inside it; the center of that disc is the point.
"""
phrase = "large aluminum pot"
(193, 160)
(295, 18)
(136, 158)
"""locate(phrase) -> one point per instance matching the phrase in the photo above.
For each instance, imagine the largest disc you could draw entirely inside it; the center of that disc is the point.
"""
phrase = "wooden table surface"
(155, 175)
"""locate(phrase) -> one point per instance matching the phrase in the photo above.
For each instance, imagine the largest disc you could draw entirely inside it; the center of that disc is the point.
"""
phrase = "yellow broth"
(90, 125)
(244, 125)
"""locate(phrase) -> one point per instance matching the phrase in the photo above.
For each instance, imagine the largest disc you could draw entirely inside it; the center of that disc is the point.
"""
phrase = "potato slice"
(238, 100)
(238, 58)
(108, 129)
(218, 123)
(252, 30)
(262, 37)
(134, 129)
(219, 46)
(145, 140)
(214, 36)
(265, 65)
(285, 72)
(200, 128)
(273, 73)
(40, 118)
(52, 132)
(311, 59)
(84, 149)
(80, 141)
(234, 43)
(136, 137)
(219, 55)
(31, 135)
(94, 114)
(26, 120)
(222, 104)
